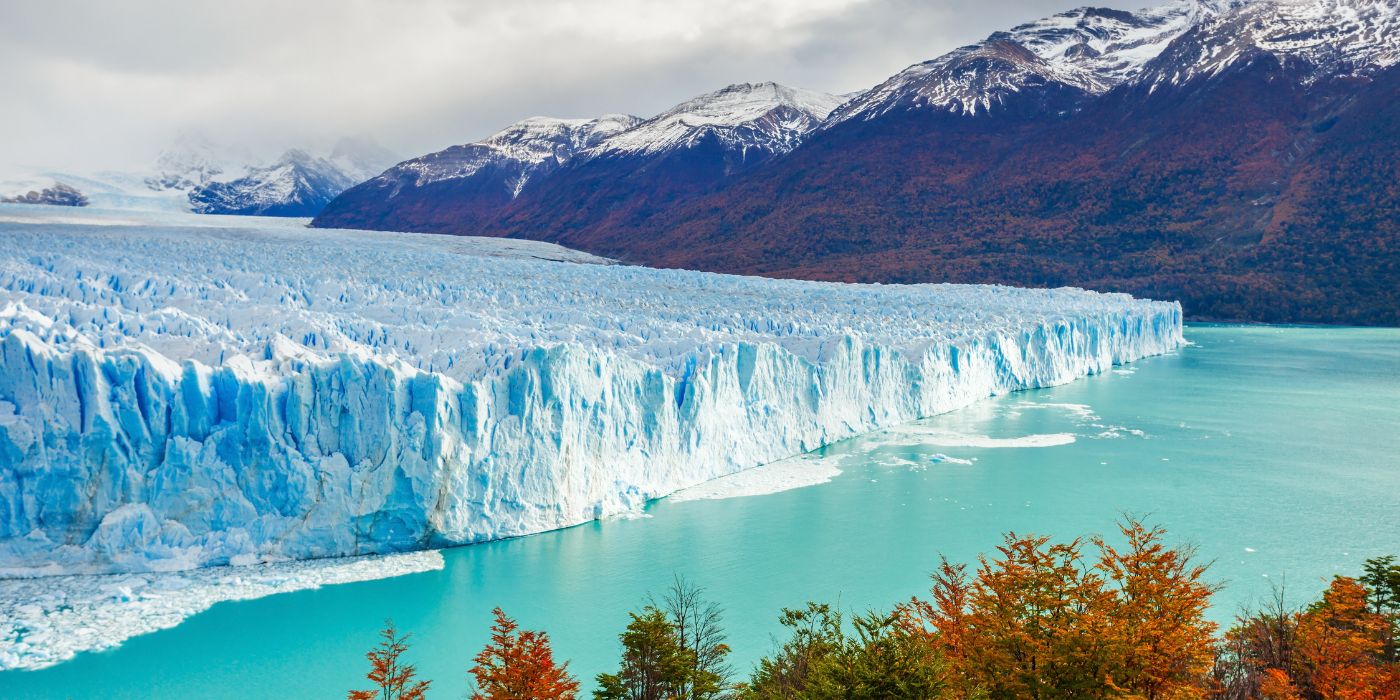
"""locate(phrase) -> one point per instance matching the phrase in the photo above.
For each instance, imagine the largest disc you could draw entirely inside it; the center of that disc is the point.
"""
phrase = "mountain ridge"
(1177, 152)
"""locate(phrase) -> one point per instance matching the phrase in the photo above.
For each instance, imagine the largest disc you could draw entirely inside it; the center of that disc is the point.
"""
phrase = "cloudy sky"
(90, 85)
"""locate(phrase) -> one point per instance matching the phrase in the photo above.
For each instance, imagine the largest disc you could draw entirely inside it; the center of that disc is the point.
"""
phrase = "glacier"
(241, 391)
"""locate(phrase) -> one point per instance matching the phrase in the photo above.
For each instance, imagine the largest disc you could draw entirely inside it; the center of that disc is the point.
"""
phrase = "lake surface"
(1275, 450)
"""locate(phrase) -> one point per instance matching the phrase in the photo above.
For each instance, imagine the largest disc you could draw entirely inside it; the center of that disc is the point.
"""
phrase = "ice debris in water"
(49, 620)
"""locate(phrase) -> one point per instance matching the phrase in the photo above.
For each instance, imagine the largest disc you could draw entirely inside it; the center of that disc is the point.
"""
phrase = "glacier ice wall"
(174, 397)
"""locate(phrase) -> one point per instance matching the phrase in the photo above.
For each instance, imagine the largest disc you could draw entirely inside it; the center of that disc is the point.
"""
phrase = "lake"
(1275, 450)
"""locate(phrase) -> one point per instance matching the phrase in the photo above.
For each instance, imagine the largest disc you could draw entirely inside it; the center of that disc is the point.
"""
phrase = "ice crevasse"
(174, 397)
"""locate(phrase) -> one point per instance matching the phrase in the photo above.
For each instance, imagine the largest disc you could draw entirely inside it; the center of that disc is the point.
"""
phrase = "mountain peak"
(1086, 50)
(1320, 38)
(766, 116)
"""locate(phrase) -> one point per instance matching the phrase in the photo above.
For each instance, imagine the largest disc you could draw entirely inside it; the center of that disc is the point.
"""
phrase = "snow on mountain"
(765, 117)
(298, 184)
(218, 180)
(585, 163)
(1323, 38)
(176, 396)
(190, 161)
(520, 152)
(1086, 51)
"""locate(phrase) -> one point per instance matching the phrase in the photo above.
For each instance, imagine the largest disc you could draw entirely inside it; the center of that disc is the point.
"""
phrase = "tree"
(1038, 623)
(1335, 649)
(1382, 581)
(1341, 646)
(1254, 657)
(1163, 640)
(519, 665)
(393, 679)
(654, 665)
(696, 623)
(1042, 621)
(942, 622)
(816, 635)
(821, 661)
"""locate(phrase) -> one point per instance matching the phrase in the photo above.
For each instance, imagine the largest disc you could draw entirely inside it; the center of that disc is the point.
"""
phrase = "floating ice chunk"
(925, 435)
(941, 458)
(44, 621)
(782, 475)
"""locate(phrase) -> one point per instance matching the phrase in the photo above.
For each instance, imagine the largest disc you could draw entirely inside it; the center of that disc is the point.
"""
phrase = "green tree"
(654, 664)
(1382, 582)
(697, 626)
(815, 636)
(880, 660)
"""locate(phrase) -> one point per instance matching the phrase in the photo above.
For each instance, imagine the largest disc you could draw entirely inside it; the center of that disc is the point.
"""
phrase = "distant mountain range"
(1243, 157)
(195, 175)
(580, 168)
(296, 184)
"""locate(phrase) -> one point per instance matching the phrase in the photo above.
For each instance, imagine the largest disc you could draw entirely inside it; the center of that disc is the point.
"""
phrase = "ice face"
(175, 396)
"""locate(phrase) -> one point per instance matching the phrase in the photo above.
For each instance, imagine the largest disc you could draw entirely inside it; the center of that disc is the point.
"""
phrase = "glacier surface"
(176, 396)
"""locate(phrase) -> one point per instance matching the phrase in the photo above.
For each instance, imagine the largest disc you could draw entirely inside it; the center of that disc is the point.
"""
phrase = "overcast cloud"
(90, 85)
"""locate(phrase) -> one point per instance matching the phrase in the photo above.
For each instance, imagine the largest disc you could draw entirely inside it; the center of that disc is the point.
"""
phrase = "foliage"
(393, 679)
(654, 664)
(821, 661)
(696, 623)
(1340, 647)
(519, 665)
(1041, 621)
(1382, 582)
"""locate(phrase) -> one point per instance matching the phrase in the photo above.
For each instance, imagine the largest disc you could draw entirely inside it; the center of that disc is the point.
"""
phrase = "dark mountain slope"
(1248, 196)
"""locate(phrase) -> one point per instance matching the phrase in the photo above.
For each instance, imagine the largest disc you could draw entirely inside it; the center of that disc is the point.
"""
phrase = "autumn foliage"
(393, 679)
(1042, 621)
(519, 665)
(1088, 618)
(1339, 648)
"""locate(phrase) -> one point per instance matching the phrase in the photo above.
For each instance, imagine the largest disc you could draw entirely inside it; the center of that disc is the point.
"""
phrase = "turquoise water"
(1276, 450)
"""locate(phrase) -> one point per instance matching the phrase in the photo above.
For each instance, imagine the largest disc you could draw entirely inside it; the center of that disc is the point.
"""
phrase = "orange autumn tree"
(393, 679)
(1163, 640)
(519, 665)
(1031, 625)
(1335, 649)
(1341, 647)
(1043, 621)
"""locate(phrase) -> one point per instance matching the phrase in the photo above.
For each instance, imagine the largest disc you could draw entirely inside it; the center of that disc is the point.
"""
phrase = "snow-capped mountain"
(1082, 52)
(751, 119)
(298, 184)
(480, 177)
(223, 181)
(361, 157)
(691, 144)
(190, 161)
(1318, 38)
(1197, 149)
(515, 154)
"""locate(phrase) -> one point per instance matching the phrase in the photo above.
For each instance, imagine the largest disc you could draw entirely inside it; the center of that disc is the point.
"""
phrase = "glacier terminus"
(177, 395)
